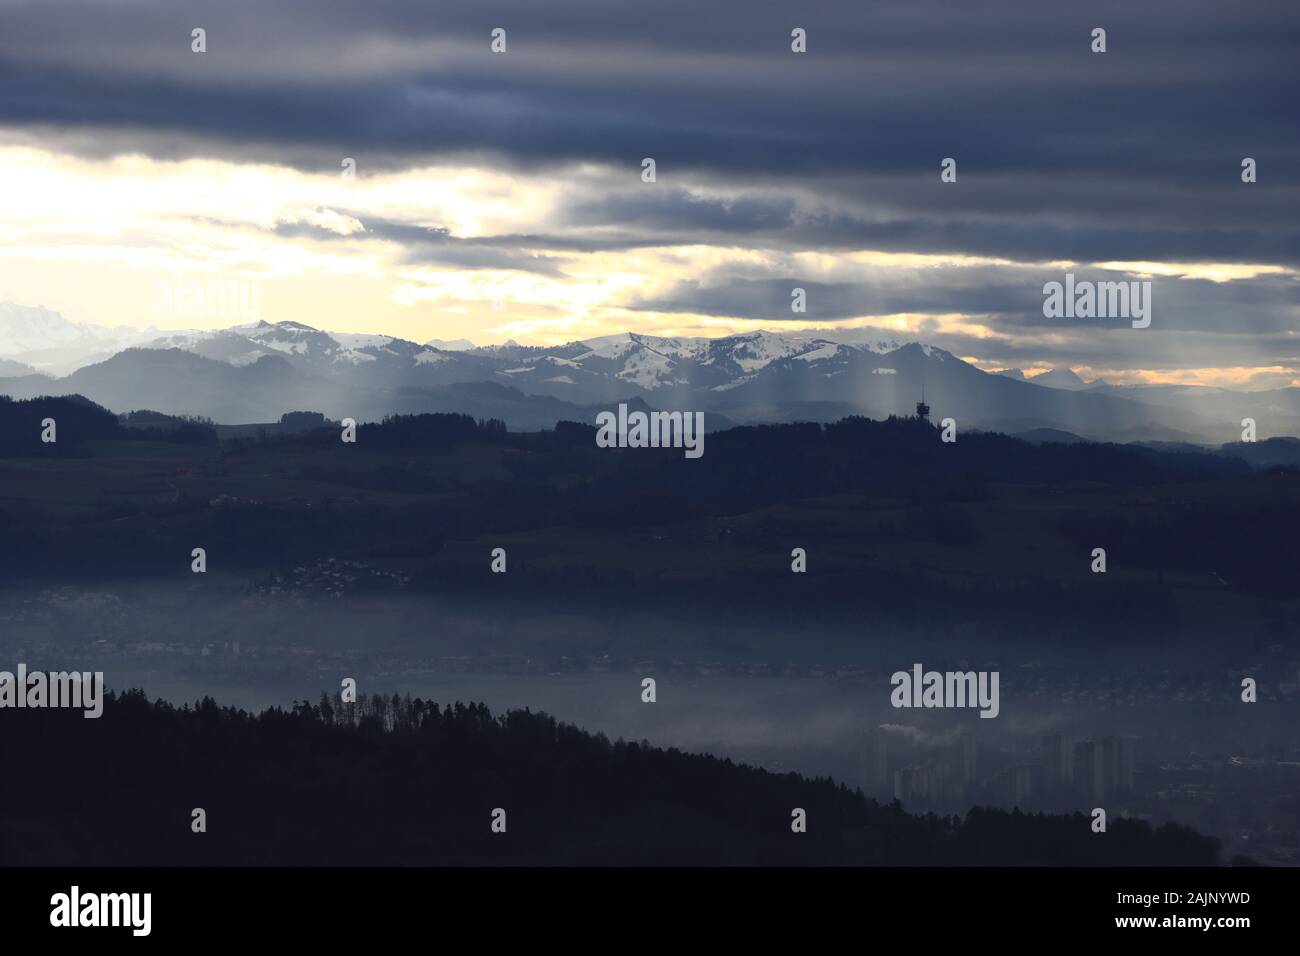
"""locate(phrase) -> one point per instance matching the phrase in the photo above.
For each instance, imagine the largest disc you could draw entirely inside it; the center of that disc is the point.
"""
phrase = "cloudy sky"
(500, 195)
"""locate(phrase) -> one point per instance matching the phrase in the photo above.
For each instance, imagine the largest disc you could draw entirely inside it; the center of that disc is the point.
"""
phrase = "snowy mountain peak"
(450, 345)
(1059, 378)
(43, 339)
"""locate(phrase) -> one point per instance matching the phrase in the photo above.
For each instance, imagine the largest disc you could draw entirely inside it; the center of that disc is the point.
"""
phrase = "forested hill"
(401, 781)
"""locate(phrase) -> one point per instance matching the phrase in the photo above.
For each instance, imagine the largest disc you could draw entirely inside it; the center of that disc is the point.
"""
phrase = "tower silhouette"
(922, 409)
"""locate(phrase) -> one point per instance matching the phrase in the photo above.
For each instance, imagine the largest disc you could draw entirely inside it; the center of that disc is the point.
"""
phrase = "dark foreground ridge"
(391, 781)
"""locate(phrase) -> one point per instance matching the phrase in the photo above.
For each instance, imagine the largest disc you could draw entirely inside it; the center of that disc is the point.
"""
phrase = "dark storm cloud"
(1195, 322)
(667, 210)
(1007, 299)
(770, 299)
(977, 223)
(433, 246)
(1124, 348)
(888, 88)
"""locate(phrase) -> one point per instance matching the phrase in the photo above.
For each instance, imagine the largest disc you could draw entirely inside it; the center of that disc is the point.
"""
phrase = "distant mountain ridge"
(257, 371)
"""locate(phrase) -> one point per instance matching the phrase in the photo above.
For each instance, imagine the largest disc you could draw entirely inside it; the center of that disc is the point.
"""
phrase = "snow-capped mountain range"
(47, 343)
(257, 371)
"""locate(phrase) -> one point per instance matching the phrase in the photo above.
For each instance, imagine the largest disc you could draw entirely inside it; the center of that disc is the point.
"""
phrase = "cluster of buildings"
(954, 773)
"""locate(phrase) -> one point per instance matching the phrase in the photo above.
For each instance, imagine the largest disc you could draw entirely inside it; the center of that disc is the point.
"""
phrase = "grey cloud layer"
(885, 88)
(1196, 322)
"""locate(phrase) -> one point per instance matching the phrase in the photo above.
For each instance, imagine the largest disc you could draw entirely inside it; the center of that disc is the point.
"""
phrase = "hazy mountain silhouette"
(257, 371)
